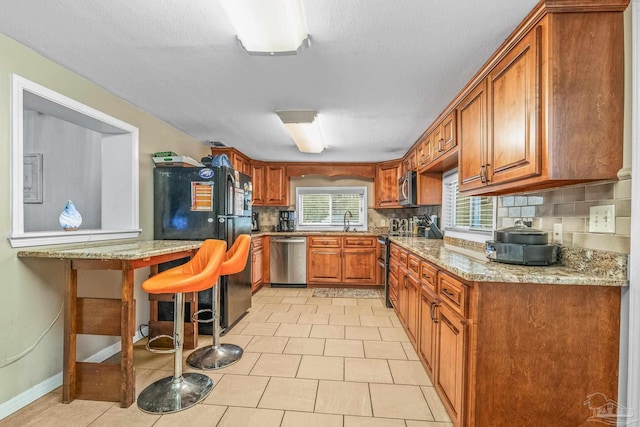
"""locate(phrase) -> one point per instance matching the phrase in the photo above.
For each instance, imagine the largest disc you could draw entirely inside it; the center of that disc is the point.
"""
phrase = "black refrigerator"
(207, 203)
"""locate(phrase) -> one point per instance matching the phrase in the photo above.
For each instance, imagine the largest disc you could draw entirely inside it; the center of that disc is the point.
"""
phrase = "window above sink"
(331, 208)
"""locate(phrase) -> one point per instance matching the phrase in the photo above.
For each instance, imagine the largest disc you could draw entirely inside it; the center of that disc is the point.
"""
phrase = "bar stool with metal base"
(180, 391)
(219, 355)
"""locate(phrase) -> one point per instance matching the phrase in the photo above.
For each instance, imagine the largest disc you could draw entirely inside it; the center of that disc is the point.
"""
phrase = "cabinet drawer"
(403, 257)
(413, 264)
(324, 242)
(359, 242)
(394, 252)
(453, 293)
(428, 275)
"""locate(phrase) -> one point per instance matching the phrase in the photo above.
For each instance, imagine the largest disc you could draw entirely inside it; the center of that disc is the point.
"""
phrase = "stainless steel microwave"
(407, 189)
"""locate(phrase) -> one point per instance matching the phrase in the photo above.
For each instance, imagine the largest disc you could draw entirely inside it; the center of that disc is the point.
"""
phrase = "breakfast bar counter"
(100, 316)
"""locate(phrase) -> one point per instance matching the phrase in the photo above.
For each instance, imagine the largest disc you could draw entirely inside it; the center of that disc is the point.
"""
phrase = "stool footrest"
(156, 350)
(199, 312)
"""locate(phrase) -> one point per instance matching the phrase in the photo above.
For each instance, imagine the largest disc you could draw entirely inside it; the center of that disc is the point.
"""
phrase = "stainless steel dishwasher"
(288, 265)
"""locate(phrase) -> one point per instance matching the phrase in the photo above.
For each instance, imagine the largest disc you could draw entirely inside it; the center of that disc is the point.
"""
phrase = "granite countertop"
(473, 266)
(130, 250)
(316, 233)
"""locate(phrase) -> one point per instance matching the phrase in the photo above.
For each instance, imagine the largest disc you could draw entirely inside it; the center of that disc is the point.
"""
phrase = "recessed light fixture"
(304, 128)
(268, 27)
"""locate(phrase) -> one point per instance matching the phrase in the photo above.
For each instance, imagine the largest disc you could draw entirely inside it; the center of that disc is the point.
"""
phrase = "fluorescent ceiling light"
(268, 27)
(303, 127)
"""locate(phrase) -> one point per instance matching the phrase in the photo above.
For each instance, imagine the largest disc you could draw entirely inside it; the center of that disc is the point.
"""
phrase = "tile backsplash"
(570, 207)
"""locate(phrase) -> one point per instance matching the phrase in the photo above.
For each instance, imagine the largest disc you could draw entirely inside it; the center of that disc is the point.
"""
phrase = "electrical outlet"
(557, 233)
(602, 219)
(383, 222)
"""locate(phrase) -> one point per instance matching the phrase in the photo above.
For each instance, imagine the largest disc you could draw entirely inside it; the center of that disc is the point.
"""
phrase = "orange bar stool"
(219, 355)
(181, 391)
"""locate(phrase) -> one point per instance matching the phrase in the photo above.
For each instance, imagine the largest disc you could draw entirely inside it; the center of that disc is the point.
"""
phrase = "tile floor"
(308, 361)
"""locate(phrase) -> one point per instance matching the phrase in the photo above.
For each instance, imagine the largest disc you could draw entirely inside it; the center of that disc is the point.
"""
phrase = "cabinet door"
(323, 265)
(403, 295)
(413, 300)
(257, 182)
(515, 139)
(257, 262)
(359, 266)
(472, 136)
(450, 361)
(386, 184)
(427, 331)
(276, 186)
(393, 290)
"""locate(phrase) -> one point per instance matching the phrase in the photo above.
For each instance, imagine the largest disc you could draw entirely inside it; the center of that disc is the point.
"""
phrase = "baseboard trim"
(47, 386)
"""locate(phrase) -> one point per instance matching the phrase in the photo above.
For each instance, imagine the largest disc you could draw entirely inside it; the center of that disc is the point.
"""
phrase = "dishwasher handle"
(289, 240)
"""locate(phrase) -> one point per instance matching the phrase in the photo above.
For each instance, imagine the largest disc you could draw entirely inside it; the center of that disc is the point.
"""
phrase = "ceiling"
(378, 71)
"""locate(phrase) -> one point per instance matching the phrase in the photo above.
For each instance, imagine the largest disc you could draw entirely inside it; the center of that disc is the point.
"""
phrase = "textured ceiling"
(378, 71)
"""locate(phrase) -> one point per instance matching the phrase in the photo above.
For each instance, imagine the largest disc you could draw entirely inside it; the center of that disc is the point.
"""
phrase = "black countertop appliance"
(521, 245)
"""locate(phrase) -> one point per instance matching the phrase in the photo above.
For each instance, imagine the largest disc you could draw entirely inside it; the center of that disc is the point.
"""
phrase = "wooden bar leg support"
(69, 356)
(127, 373)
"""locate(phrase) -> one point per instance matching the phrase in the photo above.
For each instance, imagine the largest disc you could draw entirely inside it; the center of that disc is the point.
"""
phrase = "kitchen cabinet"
(258, 184)
(386, 184)
(257, 263)
(427, 330)
(276, 185)
(543, 97)
(341, 260)
(444, 136)
(424, 151)
(428, 321)
(512, 149)
(472, 128)
(451, 337)
(493, 348)
(239, 161)
(408, 162)
(270, 184)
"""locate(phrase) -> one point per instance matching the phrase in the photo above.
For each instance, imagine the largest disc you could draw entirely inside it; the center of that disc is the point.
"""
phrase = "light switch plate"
(602, 219)
(557, 233)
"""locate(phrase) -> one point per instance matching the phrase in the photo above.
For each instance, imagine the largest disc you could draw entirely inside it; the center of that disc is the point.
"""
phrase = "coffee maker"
(286, 221)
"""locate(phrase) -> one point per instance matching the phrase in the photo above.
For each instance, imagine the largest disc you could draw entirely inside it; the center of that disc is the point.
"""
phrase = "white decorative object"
(70, 218)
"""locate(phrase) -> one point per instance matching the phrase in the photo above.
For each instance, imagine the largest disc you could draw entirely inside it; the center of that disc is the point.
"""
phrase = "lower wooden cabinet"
(257, 263)
(341, 260)
(427, 330)
(494, 349)
(451, 338)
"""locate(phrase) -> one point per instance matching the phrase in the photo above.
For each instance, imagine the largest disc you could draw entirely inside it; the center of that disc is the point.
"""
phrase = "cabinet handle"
(434, 314)
(482, 174)
(440, 144)
(486, 172)
(448, 293)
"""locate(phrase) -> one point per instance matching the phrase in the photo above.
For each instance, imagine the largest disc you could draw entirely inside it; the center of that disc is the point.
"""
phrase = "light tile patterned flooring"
(308, 361)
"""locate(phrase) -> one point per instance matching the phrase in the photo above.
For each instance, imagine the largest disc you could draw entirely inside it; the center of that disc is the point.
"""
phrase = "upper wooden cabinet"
(547, 109)
(239, 161)
(270, 184)
(276, 185)
(257, 182)
(408, 162)
(444, 136)
(386, 184)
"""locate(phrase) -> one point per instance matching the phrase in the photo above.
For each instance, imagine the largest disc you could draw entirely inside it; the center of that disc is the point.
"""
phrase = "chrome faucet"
(345, 220)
